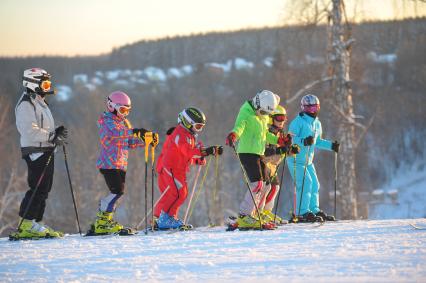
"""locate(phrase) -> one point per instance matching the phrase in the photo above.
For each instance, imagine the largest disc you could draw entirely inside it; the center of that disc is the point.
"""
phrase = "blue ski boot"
(166, 222)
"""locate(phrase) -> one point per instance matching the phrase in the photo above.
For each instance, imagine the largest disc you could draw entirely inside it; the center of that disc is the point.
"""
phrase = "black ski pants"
(254, 166)
(35, 170)
(115, 180)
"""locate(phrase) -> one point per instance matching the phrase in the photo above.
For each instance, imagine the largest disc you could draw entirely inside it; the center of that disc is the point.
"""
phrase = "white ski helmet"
(37, 80)
(310, 104)
(192, 118)
(266, 101)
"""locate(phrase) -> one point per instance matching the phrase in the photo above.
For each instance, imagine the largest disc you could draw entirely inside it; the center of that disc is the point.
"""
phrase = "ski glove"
(284, 140)
(231, 139)
(213, 150)
(294, 149)
(335, 146)
(282, 150)
(59, 135)
(140, 133)
(308, 141)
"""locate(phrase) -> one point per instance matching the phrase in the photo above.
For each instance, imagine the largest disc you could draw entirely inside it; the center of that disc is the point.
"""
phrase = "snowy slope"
(346, 251)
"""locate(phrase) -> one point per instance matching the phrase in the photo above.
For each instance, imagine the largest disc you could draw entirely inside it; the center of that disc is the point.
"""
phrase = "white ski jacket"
(35, 124)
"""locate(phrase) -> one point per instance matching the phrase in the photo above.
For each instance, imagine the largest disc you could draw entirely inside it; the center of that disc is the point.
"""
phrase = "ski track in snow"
(345, 251)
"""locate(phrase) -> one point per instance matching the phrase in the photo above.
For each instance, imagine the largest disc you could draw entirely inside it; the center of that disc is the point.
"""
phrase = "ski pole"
(148, 140)
(155, 204)
(295, 219)
(303, 180)
(72, 191)
(248, 186)
(36, 188)
(335, 182)
(155, 141)
(279, 189)
(199, 190)
(216, 186)
(216, 176)
(192, 194)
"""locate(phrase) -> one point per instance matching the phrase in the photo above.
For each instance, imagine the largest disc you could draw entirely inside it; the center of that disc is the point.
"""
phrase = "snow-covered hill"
(345, 251)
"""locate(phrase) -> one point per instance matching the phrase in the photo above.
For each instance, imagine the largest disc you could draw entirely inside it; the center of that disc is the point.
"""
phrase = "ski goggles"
(313, 108)
(45, 85)
(198, 126)
(122, 109)
(280, 117)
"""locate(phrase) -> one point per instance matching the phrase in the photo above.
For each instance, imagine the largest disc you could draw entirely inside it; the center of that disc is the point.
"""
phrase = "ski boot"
(248, 222)
(51, 231)
(309, 217)
(167, 222)
(278, 220)
(325, 216)
(105, 225)
(31, 230)
(231, 223)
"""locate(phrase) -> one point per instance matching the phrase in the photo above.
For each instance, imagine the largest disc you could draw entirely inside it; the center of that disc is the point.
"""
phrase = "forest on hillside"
(388, 80)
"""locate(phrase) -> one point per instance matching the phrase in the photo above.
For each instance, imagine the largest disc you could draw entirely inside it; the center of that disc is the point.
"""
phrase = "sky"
(92, 27)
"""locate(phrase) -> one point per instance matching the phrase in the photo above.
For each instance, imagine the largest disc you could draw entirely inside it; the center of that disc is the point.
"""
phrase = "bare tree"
(338, 67)
(339, 51)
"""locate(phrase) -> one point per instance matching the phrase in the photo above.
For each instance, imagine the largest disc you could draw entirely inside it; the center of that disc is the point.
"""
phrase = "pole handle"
(148, 140)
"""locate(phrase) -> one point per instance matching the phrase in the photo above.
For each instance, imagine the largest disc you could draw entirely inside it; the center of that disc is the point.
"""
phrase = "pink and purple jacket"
(116, 138)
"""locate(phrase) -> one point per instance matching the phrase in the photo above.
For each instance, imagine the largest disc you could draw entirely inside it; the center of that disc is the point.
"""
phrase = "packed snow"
(343, 251)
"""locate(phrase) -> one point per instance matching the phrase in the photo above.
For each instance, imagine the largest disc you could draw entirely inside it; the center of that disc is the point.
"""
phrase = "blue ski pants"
(310, 198)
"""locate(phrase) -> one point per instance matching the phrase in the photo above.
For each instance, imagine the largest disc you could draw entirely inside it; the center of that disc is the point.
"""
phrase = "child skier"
(116, 138)
(251, 129)
(39, 139)
(180, 150)
(307, 131)
(273, 157)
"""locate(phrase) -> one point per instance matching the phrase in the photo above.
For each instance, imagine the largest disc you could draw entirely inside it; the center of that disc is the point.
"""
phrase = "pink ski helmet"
(119, 101)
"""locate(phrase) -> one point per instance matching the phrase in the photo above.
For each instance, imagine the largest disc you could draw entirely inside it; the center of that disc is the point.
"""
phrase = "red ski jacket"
(179, 151)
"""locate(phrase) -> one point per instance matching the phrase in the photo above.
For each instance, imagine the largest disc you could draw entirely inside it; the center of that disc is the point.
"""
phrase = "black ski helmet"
(192, 118)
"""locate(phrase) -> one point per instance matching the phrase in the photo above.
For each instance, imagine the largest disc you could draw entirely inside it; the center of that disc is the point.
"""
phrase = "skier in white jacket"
(38, 139)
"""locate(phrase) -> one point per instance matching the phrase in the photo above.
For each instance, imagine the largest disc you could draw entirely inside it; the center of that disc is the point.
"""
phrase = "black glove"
(308, 141)
(335, 146)
(59, 135)
(213, 150)
(140, 133)
(281, 150)
(294, 149)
